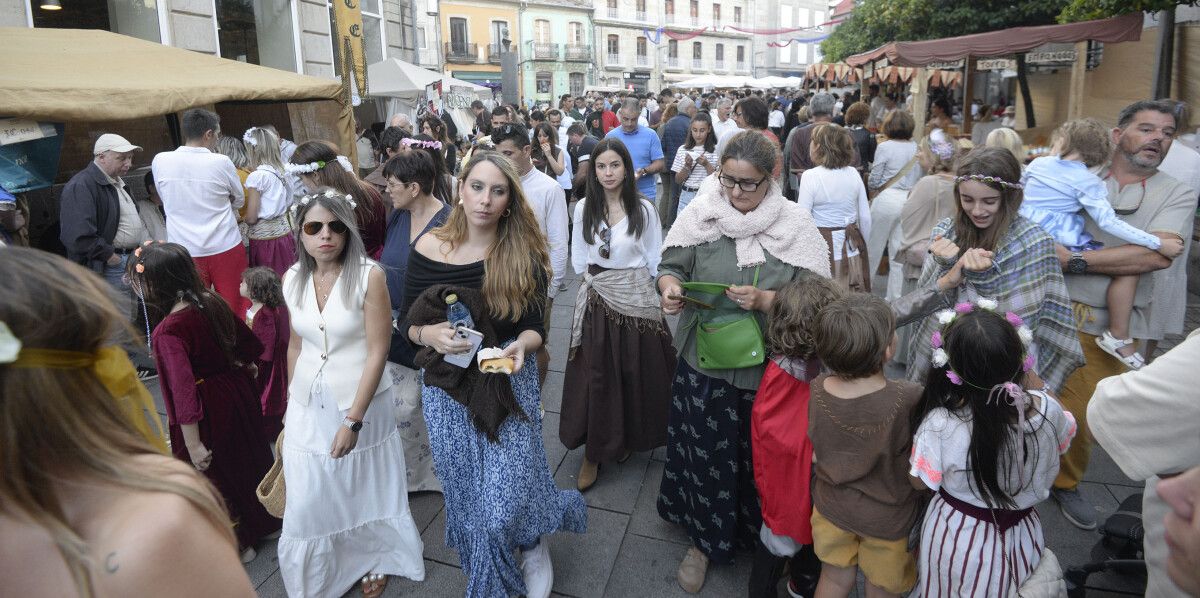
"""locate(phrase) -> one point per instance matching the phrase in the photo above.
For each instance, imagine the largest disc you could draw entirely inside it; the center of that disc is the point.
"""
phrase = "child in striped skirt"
(989, 450)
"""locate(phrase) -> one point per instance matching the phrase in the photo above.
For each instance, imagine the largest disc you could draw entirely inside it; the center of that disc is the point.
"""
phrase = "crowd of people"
(805, 243)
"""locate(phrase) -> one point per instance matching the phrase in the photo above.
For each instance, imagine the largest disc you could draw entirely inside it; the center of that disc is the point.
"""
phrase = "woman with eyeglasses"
(739, 232)
(346, 518)
(411, 186)
(621, 360)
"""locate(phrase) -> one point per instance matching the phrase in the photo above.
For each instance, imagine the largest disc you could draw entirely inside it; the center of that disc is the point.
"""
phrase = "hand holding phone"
(465, 358)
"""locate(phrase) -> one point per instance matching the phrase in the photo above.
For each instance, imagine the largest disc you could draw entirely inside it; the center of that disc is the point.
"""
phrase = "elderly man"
(99, 221)
(200, 191)
(403, 121)
(674, 135)
(798, 141)
(644, 147)
(723, 124)
(1147, 199)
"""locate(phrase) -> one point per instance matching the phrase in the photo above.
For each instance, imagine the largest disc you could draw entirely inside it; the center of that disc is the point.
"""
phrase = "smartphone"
(463, 360)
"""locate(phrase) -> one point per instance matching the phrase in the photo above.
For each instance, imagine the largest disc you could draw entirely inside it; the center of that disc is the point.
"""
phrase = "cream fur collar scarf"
(777, 226)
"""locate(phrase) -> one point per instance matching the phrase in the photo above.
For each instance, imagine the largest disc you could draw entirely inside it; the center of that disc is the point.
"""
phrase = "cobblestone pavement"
(628, 551)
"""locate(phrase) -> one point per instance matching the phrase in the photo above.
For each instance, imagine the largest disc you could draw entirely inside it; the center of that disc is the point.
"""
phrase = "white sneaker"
(537, 571)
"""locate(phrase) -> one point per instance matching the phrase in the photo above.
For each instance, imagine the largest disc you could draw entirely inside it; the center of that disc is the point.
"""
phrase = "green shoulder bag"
(731, 344)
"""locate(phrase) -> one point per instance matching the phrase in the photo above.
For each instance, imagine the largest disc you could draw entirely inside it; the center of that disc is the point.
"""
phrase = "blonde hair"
(511, 284)
(1008, 139)
(263, 149)
(1088, 137)
(938, 163)
(63, 424)
(832, 146)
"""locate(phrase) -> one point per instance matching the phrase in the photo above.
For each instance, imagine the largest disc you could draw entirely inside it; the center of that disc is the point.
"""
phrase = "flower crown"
(248, 137)
(983, 178)
(946, 316)
(328, 194)
(409, 142)
(304, 168)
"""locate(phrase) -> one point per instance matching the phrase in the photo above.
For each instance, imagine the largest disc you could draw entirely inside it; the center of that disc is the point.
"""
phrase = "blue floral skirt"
(499, 496)
(708, 483)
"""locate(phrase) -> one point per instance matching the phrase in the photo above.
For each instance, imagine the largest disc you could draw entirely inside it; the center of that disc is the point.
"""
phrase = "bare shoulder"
(429, 246)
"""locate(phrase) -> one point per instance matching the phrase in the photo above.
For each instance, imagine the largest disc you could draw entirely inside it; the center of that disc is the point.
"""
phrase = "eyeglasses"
(729, 182)
(394, 184)
(605, 250)
(313, 228)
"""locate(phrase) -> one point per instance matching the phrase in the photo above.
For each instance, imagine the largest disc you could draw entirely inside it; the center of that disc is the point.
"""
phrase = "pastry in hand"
(493, 361)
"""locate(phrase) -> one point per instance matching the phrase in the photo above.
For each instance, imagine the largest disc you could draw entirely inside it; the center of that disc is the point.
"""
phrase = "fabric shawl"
(488, 398)
(627, 291)
(1026, 279)
(777, 226)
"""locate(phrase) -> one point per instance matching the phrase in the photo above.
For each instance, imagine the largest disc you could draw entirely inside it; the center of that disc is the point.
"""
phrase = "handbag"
(731, 344)
(271, 490)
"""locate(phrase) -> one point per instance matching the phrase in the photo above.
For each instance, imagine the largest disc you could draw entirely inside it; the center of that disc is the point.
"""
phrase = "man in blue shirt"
(643, 144)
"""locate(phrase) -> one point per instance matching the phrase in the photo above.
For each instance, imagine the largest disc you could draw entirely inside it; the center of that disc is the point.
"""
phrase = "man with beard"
(1143, 197)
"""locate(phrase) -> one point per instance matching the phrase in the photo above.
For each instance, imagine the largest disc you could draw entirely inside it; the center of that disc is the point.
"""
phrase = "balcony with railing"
(674, 64)
(462, 53)
(613, 61)
(545, 51)
(673, 19)
(697, 64)
(613, 13)
(720, 65)
(578, 53)
(742, 66)
(643, 61)
(693, 21)
(640, 16)
(494, 50)
(717, 24)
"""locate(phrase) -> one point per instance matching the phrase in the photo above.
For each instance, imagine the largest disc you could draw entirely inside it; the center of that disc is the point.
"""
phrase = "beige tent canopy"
(69, 75)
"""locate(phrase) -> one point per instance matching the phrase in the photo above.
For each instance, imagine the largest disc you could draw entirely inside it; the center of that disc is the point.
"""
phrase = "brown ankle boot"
(692, 571)
(587, 475)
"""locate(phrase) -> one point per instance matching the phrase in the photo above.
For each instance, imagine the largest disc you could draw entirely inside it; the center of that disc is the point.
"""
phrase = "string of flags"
(655, 35)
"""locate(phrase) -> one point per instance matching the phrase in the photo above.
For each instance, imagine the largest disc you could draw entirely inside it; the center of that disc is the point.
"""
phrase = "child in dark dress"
(205, 357)
(268, 318)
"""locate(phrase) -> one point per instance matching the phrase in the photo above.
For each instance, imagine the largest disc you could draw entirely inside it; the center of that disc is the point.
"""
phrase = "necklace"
(323, 285)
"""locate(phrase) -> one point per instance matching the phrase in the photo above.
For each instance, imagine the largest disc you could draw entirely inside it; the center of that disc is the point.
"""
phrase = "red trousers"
(223, 271)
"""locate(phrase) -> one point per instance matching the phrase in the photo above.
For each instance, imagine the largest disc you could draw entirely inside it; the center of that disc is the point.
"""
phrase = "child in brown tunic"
(863, 503)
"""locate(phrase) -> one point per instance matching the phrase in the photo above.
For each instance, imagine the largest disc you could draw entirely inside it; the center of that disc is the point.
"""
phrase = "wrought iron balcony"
(578, 53)
(643, 61)
(545, 51)
(462, 53)
(494, 50)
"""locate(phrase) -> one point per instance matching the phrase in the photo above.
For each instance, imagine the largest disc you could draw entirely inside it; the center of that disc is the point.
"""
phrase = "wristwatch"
(354, 425)
(1077, 265)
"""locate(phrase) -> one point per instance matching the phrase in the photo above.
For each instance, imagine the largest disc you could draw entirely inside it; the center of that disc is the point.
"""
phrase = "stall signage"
(996, 64)
(1050, 57)
(637, 76)
(459, 97)
(945, 66)
(17, 130)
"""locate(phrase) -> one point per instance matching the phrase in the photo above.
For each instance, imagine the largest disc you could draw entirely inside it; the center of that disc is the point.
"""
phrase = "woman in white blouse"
(621, 360)
(833, 192)
(894, 171)
(696, 159)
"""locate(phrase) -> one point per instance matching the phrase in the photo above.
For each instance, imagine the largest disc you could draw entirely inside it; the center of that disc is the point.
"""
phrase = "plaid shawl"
(1026, 279)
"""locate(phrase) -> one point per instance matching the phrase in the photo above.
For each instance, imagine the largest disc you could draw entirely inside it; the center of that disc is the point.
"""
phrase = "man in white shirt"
(1170, 283)
(545, 197)
(200, 190)
(723, 125)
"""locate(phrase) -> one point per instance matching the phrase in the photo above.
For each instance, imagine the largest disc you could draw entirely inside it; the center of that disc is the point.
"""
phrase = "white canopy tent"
(724, 82)
(399, 87)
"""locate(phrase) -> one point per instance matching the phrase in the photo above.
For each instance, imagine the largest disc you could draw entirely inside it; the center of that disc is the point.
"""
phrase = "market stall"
(401, 87)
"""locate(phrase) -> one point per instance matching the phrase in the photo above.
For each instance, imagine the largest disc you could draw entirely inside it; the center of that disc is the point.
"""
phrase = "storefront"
(637, 81)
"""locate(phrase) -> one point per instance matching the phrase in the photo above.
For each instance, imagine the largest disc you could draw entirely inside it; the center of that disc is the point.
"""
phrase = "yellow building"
(471, 32)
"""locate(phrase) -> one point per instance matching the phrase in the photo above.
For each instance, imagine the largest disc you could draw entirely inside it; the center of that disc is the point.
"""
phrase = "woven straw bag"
(271, 490)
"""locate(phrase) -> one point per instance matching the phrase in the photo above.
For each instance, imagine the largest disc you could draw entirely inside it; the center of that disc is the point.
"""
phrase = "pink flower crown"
(409, 142)
(946, 316)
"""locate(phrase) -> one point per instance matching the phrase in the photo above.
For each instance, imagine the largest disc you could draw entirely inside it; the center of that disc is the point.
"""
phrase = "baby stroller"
(1119, 553)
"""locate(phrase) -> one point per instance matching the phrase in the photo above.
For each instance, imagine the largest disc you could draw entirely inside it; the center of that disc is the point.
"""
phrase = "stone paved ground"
(628, 551)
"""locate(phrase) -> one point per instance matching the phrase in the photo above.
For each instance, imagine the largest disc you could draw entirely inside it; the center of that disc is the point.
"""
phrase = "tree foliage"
(877, 22)
(1087, 10)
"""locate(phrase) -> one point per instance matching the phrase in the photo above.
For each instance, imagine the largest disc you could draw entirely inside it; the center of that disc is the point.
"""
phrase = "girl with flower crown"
(318, 166)
(268, 196)
(988, 250)
(989, 449)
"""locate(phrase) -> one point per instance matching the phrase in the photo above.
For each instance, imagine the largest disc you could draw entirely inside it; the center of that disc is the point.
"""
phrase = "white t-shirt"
(546, 199)
(724, 129)
(625, 251)
(775, 119)
(199, 191)
(274, 194)
(836, 198)
(940, 456)
(698, 173)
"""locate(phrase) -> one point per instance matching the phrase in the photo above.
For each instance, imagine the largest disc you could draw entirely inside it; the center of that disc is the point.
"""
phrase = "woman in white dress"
(833, 193)
(893, 173)
(346, 515)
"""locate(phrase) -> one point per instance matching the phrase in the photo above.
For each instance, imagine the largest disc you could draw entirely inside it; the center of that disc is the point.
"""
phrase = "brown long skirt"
(617, 393)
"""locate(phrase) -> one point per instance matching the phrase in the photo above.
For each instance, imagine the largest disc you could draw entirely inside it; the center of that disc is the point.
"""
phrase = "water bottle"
(457, 313)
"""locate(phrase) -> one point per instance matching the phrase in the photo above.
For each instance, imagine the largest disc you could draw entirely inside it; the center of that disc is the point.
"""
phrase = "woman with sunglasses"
(739, 231)
(346, 516)
(621, 358)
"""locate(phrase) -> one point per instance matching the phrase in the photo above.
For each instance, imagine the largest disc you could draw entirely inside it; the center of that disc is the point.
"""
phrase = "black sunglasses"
(605, 250)
(313, 227)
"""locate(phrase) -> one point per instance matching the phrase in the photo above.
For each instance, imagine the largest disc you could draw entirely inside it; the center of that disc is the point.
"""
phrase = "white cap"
(111, 142)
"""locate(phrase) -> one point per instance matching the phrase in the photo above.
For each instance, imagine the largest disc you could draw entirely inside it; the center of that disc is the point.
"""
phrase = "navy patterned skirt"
(708, 482)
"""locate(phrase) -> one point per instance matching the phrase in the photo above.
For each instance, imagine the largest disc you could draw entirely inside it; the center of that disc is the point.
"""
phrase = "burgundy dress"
(375, 231)
(273, 328)
(199, 386)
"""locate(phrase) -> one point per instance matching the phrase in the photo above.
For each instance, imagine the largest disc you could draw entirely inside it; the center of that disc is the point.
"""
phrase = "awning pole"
(1078, 72)
(968, 94)
(919, 101)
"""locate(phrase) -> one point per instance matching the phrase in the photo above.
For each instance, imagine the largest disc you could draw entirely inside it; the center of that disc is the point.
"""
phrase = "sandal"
(1113, 345)
(373, 585)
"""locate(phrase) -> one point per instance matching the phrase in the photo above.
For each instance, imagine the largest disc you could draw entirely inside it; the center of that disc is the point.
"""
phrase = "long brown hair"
(334, 176)
(511, 283)
(995, 162)
(61, 425)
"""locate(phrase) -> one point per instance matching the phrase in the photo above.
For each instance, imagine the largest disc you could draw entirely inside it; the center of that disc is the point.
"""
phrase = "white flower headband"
(309, 168)
(330, 194)
(248, 137)
(10, 345)
(409, 142)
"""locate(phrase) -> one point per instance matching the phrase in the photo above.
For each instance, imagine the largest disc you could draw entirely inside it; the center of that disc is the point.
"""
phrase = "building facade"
(794, 58)
(472, 38)
(697, 38)
(557, 49)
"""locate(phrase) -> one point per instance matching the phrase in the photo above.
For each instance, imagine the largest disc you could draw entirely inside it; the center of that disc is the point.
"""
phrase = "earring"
(460, 200)
(507, 211)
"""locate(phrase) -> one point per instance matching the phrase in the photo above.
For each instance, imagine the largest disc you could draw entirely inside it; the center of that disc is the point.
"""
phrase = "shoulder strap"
(899, 174)
(756, 268)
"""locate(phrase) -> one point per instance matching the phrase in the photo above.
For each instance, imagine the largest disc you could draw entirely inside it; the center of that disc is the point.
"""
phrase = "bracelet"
(420, 331)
